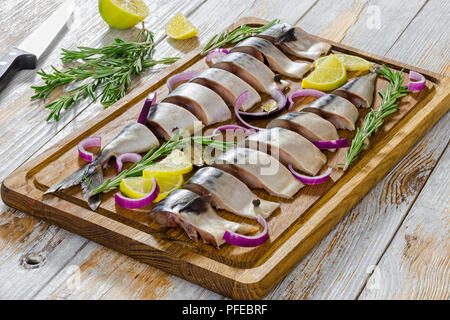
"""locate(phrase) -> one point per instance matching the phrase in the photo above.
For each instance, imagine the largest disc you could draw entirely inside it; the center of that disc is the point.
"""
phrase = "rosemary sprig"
(231, 37)
(374, 119)
(109, 69)
(136, 169)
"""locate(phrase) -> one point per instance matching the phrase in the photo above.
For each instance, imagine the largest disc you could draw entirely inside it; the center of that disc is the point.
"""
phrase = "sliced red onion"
(150, 101)
(126, 157)
(88, 143)
(226, 127)
(418, 83)
(238, 104)
(248, 241)
(179, 77)
(332, 144)
(215, 55)
(308, 179)
(303, 93)
(280, 99)
(130, 203)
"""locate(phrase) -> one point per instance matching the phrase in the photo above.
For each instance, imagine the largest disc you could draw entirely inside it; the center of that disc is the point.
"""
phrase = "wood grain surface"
(317, 276)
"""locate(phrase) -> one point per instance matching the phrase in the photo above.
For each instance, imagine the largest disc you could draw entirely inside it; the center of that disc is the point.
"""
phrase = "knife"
(26, 55)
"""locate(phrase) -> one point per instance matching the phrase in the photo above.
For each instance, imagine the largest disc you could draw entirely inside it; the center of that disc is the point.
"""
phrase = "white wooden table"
(393, 244)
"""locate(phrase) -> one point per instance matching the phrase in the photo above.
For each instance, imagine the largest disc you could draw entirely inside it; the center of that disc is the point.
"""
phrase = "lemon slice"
(123, 14)
(330, 75)
(351, 63)
(136, 187)
(179, 27)
(168, 184)
(175, 163)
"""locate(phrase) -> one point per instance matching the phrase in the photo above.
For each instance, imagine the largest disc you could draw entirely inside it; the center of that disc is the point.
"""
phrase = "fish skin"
(264, 50)
(229, 193)
(135, 137)
(194, 214)
(228, 86)
(201, 101)
(295, 41)
(252, 71)
(257, 170)
(359, 91)
(339, 111)
(291, 147)
(307, 124)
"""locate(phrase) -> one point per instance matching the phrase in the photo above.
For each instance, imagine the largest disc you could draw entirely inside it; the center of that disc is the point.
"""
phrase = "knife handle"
(14, 61)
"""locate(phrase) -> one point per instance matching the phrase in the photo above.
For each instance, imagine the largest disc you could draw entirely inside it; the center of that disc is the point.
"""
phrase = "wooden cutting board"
(294, 229)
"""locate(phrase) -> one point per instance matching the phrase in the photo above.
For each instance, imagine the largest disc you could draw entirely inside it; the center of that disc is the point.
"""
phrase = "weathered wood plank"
(337, 268)
(417, 263)
(19, 142)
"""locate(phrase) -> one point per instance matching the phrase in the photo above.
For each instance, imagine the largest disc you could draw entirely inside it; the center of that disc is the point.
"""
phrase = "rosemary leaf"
(109, 69)
(375, 118)
(231, 37)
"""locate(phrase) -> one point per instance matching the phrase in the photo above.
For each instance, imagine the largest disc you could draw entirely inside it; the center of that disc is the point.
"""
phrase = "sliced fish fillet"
(339, 111)
(264, 50)
(228, 86)
(166, 119)
(251, 70)
(135, 137)
(186, 209)
(229, 193)
(295, 41)
(308, 124)
(359, 90)
(204, 103)
(289, 147)
(259, 170)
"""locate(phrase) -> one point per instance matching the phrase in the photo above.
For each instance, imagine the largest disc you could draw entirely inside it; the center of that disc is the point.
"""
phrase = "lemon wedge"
(330, 75)
(174, 164)
(167, 185)
(123, 14)
(179, 27)
(136, 187)
(351, 63)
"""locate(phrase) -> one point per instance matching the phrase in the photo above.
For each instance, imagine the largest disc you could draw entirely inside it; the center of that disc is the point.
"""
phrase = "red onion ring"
(238, 104)
(418, 83)
(332, 144)
(126, 157)
(280, 99)
(226, 127)
(149, 101)
(248, 241)
(130, 203)
(303, 93)
(310, 180)
(88, 143)
(179, 77)
(215, 54)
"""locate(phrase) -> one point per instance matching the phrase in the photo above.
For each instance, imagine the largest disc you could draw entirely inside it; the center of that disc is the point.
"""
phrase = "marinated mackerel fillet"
(166, 119)
(228, 86)
(264, 50)
(309, 125)
(289, 147)
(251, 70)
(359, 90)
(186, 209)
(259, 170)
(229, 193)
(204, 103)
(339, 111)
(135, 137)
(295, 41)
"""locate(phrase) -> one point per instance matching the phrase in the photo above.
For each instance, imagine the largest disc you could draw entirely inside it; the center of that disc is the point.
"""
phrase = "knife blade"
(26, 54)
